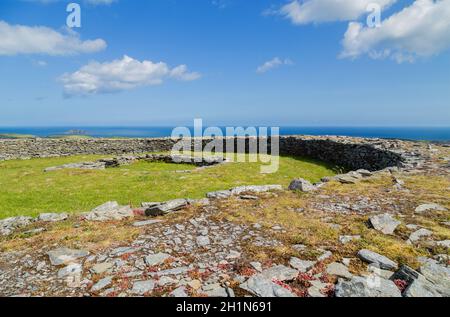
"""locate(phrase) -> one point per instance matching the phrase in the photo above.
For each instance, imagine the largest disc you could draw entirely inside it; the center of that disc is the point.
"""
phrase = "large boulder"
(384, 223)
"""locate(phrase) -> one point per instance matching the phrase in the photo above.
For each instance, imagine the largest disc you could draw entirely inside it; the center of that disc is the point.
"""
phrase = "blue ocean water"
(411, 133)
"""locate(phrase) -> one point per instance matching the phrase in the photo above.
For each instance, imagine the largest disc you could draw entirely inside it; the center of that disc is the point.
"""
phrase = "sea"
(406, 133)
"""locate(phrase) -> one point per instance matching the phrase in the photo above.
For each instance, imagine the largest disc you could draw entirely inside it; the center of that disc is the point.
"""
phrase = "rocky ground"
(383, 234)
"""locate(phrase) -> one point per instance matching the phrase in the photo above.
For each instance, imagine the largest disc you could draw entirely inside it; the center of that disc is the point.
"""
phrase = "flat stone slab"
(146, 223)
(430, 207)
(364, 287)
(262, 287)
(110, 211)
(8, 225)
(52, 217)
(63, 256)
(102, 284)
(101, 268)
(255, 189)
(378, 259)
(166, 207)
(280, 273)
(339, 270)
(143, 287)
(302, 266)
(384, 223)
(419, 234)
(156, 259)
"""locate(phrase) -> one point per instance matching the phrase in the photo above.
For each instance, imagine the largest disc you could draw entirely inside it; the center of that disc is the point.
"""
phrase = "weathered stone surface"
(348, 239)
(338, 270)
(102, 284)
(203, 241)
(255, 189)
(430, 207)
(110, 211)
(143, 287)
(263, 287)
(168, 206)
(146, 223)
(301, 265)
(8, 225)
(384, 223)
(52, 217)
(101, 268)
(65, 256)
(215, 290)
(280, 273)
(222, 194)
(421, 288)
(316, 289)
(444, 244)
(438, 275)
(347, 179)
(362, 287)
(179, 292)
(302, 185)
(419, 234)
(375, 258)
(156, 259)
(71, 269)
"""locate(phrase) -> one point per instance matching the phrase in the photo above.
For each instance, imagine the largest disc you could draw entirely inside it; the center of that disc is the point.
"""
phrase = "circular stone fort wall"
(348, 152)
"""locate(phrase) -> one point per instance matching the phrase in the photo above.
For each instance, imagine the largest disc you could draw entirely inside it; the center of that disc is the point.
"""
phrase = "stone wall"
(351, 153)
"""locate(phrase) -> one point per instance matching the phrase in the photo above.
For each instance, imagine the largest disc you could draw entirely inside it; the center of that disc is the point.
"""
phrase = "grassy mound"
(25, 189)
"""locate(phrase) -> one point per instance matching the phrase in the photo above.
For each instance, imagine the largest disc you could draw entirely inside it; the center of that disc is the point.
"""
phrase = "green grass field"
(25, 189)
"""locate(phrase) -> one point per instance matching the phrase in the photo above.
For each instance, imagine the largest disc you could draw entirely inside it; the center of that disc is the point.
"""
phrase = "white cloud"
(93, 2)
(318, 11)
(419, 30)
(122, 74)
(100, 2)
(21, 39)
(273, 63)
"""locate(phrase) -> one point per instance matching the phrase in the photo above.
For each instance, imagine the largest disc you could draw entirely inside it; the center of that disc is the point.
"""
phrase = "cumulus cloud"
(318, 11)
(122, 74)
(419, 30)
(273, 63)
(21, 39)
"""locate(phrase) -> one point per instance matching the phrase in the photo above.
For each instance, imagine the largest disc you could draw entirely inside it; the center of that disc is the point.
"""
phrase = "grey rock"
(378, 259)
(362, 287)
(348, 239)
(421, 288)
(167, 207)
(347, 179)
(110, 211)
(430, 207)
(71, 269)
(364, 173)
(280, 273)
(215, 290)
(143, 287)
(301, 265)
(419, 234)
(338, 270)
(257, 266)
(255, 189)
(52, 217)
(316, 289)
(384, 223)
(8, 225)
(222, 194)
(203, 241)
(156, 259)
(179, 292)
(63, 256)
(444, 244)
(101, 268)
(302, 185)
(263, 287)
(102, 284)
(438, 275)
(146, 223)
(375, 269)
(325, 256)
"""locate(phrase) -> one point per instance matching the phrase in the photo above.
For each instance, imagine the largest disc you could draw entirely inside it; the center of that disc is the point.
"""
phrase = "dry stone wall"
(351, 153)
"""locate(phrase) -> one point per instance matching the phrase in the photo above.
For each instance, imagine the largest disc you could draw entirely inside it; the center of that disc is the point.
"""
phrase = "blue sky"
(247, 62)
